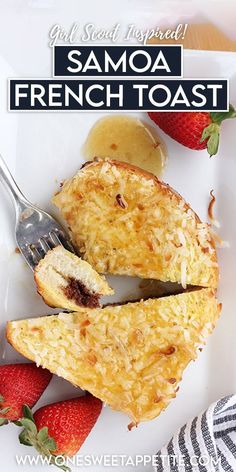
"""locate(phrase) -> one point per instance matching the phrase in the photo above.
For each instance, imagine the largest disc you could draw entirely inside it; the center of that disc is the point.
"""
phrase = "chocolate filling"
(77, 291)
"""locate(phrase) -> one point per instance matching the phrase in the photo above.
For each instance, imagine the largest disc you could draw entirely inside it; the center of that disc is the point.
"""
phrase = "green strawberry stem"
(212, 134)
(3, 411)
(212, 131)
(3, 421)
(218, 117)
(43, 443)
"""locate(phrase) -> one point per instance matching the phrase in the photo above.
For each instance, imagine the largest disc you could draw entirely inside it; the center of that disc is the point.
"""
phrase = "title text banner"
(146, 95)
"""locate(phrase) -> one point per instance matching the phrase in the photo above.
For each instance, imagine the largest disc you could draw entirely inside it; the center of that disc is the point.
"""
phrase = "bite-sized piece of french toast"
(125, 221)
(64, 280)
(130, 356)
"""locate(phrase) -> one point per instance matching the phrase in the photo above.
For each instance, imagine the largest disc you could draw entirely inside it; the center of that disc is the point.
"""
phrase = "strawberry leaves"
(27, 412)
(29, 425)
(46, 440)
(3, 421)
(43, 443)
(24, 438)
(212, 132)
(218, 117)
(3, 411)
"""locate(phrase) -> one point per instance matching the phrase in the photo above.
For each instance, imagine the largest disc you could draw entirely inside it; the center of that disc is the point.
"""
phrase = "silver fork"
(36, 230)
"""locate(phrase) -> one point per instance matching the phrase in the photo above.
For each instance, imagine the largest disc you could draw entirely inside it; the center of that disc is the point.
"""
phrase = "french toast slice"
(130, 356)
(125, 221)
(64, 280)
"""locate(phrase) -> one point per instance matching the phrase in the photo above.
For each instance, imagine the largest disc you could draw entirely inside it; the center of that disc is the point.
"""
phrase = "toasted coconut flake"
(172, 380)
(213, 221)
(132, 425)
(157, 399)
(181, 236)
(91, 358)
(184, 274)
(121, 201)
(168, 351)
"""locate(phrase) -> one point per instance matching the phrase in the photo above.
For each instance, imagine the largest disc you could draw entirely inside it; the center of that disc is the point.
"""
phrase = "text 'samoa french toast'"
(125, 221)
(130, 356)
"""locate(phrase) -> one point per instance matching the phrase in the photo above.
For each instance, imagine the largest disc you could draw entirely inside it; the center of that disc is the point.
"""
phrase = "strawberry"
(59, 429)
(20, 384)
(195, 130)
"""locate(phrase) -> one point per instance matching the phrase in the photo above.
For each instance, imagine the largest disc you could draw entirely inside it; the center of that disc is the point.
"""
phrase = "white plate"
(41, 150)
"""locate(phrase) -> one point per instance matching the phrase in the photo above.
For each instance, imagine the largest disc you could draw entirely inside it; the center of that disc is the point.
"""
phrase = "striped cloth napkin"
(205, 444)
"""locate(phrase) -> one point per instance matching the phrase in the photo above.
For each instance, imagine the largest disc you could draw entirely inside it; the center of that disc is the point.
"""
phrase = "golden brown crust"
(138, 171)
(72, 202)
(131, 356)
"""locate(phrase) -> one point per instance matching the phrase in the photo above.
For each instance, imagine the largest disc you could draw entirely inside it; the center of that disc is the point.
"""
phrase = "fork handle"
(10, 184)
